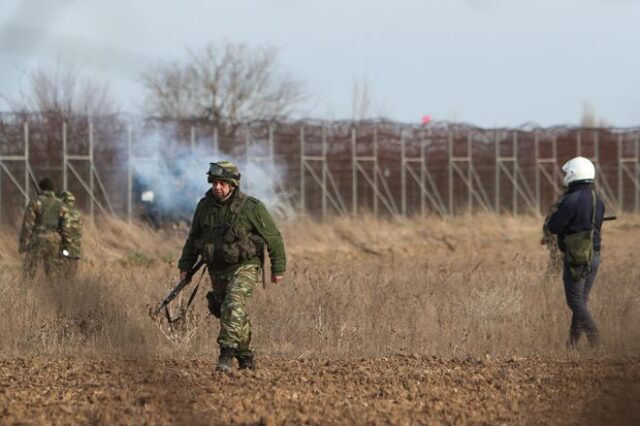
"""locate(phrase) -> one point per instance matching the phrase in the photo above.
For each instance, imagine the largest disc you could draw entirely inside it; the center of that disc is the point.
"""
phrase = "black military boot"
(225, 359)
(246, 362)
(572, 341)
(594, 339)
(575, 332)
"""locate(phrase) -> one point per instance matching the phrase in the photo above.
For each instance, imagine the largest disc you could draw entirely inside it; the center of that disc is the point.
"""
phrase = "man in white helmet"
(577, 222)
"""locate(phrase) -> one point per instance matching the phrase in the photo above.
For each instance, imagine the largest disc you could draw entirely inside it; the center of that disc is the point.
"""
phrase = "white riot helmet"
(578, 169)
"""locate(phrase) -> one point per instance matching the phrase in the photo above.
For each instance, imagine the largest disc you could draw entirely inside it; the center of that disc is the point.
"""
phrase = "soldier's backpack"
(49, 218)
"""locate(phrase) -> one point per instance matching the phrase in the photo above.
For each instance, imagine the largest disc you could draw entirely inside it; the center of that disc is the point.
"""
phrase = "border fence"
(325, 168)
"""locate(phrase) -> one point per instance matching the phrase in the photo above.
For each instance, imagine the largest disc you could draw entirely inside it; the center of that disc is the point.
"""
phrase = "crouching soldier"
(230, 230)
(578, 222)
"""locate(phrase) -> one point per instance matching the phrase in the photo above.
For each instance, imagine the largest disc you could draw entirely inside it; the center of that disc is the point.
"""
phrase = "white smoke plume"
(170, 177)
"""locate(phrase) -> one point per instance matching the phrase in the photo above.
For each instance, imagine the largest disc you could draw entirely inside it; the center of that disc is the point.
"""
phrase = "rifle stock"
(179, 286)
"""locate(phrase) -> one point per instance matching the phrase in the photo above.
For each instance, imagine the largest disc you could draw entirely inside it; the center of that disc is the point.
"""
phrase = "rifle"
(180, 286)
(35, 186)
(609, 218)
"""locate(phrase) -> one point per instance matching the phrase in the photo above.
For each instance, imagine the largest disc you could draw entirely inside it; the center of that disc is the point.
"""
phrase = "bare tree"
(589, 117)
(51, 98)
(61, 93)
(361, 99)
(225, 84)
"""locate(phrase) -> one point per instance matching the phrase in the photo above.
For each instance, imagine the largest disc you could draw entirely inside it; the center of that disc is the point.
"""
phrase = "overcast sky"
(485, 62)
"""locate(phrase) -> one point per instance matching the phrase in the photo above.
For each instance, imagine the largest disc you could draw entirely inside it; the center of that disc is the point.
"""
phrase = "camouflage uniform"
(231, 235)
(44, 234)
(231, 291)
(74, 242)
(556, 258)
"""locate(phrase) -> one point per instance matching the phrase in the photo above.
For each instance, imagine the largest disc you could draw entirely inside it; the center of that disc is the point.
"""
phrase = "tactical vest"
(228, 244)
(49, 218)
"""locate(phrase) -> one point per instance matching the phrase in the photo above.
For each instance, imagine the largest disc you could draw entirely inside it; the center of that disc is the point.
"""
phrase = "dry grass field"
(417, 321)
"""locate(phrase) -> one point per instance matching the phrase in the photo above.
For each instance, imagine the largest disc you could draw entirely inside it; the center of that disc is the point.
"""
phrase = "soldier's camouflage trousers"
(70, 264)
(231, 292)
(44, 247)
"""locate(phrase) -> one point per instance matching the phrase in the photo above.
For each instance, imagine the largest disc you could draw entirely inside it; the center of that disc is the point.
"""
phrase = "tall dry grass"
(467, 286)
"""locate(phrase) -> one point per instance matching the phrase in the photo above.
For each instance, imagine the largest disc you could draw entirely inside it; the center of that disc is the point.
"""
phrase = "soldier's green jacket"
(46, 213)
(74, 226)
(254, 217)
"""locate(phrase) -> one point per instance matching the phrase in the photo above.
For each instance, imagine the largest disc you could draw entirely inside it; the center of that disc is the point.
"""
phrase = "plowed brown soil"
(378, 322)
(394, 390)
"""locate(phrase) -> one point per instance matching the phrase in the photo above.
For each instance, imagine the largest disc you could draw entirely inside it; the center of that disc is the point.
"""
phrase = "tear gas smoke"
(170, 177)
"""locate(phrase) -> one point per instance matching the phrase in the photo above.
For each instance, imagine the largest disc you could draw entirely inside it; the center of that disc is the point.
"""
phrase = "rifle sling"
(237, 210)
(191, 297)
(235, 214)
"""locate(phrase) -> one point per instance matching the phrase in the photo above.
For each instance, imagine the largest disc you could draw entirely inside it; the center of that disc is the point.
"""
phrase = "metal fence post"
(27, 166)
(403, 174)
(65, 178)
(303, 188)
(91, 175)
(130, 172)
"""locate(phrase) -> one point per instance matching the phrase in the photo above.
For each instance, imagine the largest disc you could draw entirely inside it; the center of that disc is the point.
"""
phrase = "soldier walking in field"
(44, 233)
(578, 222)
(74, 235)
(230, 231)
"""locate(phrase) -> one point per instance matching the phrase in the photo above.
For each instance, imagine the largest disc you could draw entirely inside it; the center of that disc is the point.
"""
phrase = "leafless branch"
(61, 92)
(226, 84)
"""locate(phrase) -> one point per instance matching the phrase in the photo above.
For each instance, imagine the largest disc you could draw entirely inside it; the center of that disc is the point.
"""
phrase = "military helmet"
(225, 171)
(67, 197)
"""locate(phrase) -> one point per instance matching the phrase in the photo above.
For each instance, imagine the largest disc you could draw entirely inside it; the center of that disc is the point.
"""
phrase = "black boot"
(572, 341)
(225, 359)
(575, 332)
(246, 362)
(594, 338)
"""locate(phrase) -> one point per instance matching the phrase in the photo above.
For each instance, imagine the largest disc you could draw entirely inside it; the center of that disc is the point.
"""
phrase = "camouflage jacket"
(44, 214)
(253, 217)
(74, 227)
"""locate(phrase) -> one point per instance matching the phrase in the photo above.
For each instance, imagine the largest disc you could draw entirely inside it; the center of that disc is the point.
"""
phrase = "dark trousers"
(577, 295)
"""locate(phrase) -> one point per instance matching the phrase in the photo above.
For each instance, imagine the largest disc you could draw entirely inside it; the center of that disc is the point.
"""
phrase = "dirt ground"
(394, 390)
(404, 322)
